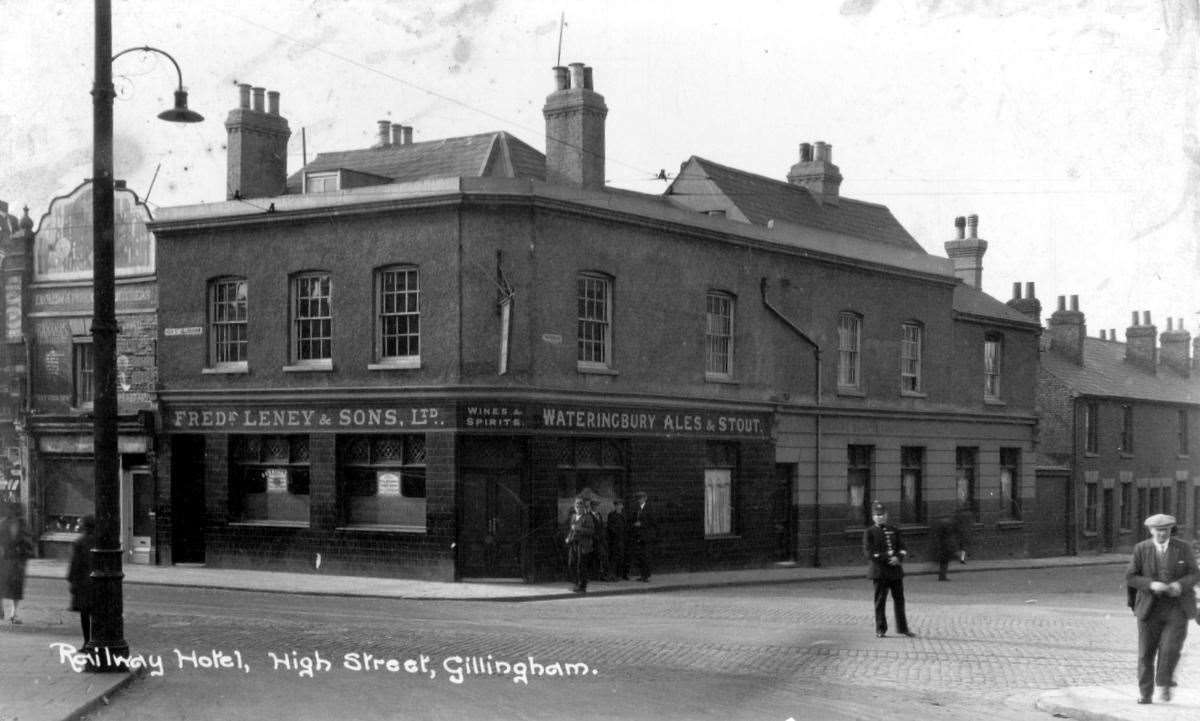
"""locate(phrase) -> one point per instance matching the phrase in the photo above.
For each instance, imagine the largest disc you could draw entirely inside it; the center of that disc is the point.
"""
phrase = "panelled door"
(492, 525)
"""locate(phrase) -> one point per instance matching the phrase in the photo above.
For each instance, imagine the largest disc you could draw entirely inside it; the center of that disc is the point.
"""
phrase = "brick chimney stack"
(967, 253)
(1140, 343)
(575, 116)
(257, 148)
(1029, 305)
(1175, 343)
(817, 173)
(1068, 329)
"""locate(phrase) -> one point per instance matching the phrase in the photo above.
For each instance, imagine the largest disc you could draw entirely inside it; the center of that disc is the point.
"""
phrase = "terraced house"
(408, 359)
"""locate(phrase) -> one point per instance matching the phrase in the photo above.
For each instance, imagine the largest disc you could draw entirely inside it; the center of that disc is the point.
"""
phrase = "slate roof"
(761, 199)
(1105, 373)
(495, 154)
(972, 301)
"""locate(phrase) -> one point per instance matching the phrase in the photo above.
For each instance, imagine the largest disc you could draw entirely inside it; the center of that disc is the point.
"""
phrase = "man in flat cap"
(885, 552)
(1163, 570)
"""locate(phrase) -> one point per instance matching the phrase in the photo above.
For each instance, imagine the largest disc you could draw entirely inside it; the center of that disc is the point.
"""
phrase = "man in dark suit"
(885, 552)
(617, 533)
(1163, 570)
(641, 534)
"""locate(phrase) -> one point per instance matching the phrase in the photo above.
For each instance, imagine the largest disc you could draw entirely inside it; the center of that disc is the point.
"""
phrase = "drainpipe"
(816, 539)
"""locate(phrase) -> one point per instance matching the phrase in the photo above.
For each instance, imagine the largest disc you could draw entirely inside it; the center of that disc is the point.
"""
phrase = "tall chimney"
(1029, 305)
(257, 146)
(1068, 329)
(575, 116)
(1140, 346)
(385, 133)
(967, 253)
(1176, 345)
(817, 173)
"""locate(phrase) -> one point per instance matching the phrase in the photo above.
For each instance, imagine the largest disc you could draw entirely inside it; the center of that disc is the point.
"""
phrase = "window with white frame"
(312, 319)
(718, 335)
(1091, 508)
(993, 350)
(849, 342)
(398, 337)
(912, 470)
(594, 321)
(718, 489)
(321, 182)
(382, 480)
(910, 358)
(965, 468)
(83, 372)
(227, 322)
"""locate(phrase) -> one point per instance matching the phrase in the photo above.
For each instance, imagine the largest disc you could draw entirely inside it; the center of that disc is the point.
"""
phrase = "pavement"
(42, 685)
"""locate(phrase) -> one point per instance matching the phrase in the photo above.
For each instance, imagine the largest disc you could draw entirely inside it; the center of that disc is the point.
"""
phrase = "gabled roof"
(969, 300)
(1105, 373)
(706, 186)
(495, 154)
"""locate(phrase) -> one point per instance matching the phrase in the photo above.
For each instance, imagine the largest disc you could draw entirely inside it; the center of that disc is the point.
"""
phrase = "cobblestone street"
(987, 644)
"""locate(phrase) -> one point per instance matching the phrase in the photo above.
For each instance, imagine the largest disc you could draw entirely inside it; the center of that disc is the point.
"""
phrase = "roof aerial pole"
(562, 23)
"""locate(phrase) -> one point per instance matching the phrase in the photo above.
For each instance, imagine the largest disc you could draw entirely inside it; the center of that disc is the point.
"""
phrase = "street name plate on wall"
(188, 331)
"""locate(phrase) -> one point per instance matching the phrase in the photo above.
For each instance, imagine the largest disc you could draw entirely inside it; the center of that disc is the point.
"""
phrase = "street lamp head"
(180, 113)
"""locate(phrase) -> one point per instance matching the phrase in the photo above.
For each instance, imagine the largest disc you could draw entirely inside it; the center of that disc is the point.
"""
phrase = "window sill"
(395, 365)
(315, 367)
(1010, 524)
(271, 524)
(59, 536)
(993, 402)
(592, 369)
(717, 378)
(851, 392)
(230, 368)
(723, 537)
(382, 528)
(913, 394)
(1091, 454)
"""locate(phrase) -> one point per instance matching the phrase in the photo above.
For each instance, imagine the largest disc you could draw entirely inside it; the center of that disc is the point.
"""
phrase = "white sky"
(1070, 127)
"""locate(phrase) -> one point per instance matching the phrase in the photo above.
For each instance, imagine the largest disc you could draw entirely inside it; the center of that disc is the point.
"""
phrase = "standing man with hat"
(641, 535)
(1163, 570)
(885, 552)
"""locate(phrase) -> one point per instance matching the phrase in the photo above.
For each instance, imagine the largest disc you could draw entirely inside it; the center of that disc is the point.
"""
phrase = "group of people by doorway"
(603, 548)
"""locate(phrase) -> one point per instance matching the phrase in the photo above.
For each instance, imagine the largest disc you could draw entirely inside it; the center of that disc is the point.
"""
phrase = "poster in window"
(387, 483)
(277, 480)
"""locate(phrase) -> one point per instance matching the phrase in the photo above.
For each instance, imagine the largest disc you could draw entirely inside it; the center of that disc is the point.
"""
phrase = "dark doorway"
(187, 499)
(1109, 520)
(783, 512)
(492, 525)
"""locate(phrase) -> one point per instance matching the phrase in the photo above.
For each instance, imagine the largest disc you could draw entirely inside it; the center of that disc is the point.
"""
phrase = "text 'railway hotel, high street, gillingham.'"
(408, 359)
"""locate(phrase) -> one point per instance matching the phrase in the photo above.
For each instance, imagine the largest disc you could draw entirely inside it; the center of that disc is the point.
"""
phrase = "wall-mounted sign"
(387, 483)
(277, 479)
(63, 245)
(552, 338)
(316, 418)
(12, 308)
(188, 331)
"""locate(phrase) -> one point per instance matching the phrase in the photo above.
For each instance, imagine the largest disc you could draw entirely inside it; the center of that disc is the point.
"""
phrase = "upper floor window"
(227, 318)
(1091, 427)
(849, 340)
(910, 358)
(321, 182)
(593, 297)
(1183, 433)
(83, 367)
(718, 335)
(993, 351)
(1126, 429)
(312, 319)
(398, 334)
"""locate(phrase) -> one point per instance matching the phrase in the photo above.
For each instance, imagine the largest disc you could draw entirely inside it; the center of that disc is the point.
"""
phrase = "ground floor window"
(1181, 499)
(67, 493)
(1126, 506)
(912, 465)
(268, 478)
(1091, 510)
(858, 483)
(965, 460)
(1010, 482)
(591, 467)
(382, 480)
(718, 489)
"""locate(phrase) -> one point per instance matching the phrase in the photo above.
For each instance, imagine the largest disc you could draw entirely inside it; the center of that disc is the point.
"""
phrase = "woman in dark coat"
(79, 575)
(15, 550)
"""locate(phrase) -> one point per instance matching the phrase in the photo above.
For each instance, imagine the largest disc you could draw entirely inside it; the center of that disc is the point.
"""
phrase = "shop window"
(1091, 508)
(68, 493)
(83, 368)
(594, 467)
(398, 324)
(849, 341)
(227, 323)
(382, 480)
(593, 322)
(912, 470)
(858, 484)
(718, 489)
(312, 320)
(269, 477)
(965, 468)
(1010, 482)
(718, 336)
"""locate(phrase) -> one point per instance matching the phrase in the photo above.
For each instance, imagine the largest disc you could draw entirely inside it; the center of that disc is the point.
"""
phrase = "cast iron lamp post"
(107, 640)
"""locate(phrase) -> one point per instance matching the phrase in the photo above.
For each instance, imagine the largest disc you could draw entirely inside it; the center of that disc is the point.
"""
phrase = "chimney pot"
(1029, 290)
(258, 98)
(1103, 334)
(587, 77)
(1170, 323)
(1135, 318)
(384, 132)
(244, 96)
(408, 134)
(806, 152)
(562, 77)
(273, 102)
(960, 224)
(1062, 302)
(1146, 318)
(397, 134)
(1112, 333)
(973, 226)
(1017, 290)
(823, 152)
(1075, 303)
(576, 75)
